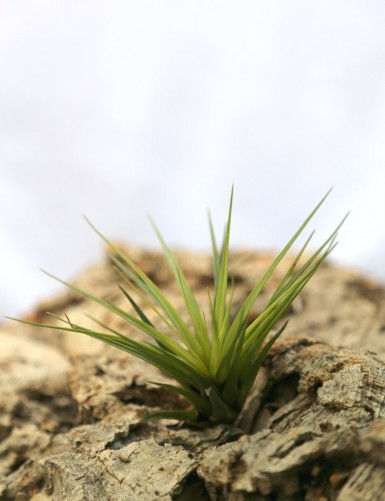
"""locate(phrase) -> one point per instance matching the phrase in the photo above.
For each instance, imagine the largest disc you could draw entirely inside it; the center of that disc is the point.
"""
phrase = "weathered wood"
(313, 427)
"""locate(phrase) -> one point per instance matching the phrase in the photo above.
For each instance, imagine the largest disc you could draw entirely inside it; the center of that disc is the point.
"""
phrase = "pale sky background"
(117, 109)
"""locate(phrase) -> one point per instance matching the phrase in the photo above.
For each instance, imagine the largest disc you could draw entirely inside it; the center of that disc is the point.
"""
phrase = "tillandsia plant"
(215, 357)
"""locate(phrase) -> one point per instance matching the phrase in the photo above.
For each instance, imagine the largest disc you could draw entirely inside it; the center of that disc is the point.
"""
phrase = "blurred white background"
(119, 108)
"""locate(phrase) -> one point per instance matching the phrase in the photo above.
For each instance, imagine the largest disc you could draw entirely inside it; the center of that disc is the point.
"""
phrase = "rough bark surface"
(313, 427)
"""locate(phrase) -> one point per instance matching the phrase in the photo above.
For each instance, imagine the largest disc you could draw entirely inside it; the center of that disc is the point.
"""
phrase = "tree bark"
(313, 427)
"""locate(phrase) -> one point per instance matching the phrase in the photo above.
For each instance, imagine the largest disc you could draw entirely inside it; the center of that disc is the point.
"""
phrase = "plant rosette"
(216, 356)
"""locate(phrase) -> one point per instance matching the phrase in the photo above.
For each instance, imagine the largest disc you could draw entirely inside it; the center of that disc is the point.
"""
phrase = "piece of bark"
(313, 427)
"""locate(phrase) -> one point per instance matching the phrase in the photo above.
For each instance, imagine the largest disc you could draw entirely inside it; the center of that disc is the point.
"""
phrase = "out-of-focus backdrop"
(119, 108)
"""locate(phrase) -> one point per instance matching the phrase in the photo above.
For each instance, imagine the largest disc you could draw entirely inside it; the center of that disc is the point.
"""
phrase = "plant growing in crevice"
(215, 357)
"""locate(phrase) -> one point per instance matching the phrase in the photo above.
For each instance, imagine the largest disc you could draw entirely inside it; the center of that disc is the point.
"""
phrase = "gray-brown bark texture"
(313, 427)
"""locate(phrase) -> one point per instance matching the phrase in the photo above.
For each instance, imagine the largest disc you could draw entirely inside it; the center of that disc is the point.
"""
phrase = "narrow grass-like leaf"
(148, 286)
(247, 305)
(290, 271)
(277, 309)
(233, 367)
(148, 301)
(138, 310)
(172, 346)
(216, 258)
(221, 411)
(171, 365)
(200, 403)
(221, 289)
(189, 299)
(220, 310)
(290, 277)
(186, 416)
(253, 370)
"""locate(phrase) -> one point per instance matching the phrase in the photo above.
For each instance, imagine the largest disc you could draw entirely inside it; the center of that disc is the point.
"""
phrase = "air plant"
(216, 356)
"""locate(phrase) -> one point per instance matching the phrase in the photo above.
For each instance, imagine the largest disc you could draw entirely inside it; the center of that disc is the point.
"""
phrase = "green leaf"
(233, 367)
(291, 277)
(144, 282)
(175, 367)
(185, 416)
(220, 312)
(221, 289)
(189, 300)
(221, 411)
(253, 370)
(202, 405)
(247, 305)
(172, 346)
(138, 310)
(216, 258)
